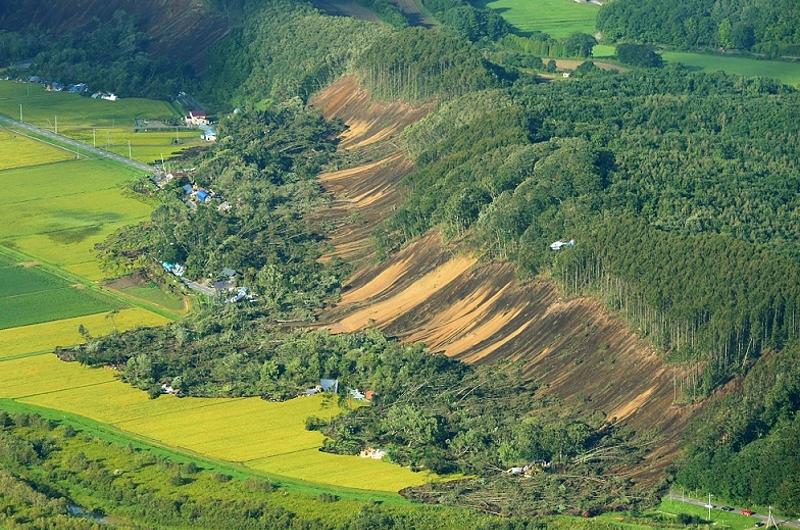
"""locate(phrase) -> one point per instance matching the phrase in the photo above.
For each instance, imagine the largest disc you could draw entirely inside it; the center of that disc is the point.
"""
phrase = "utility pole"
(709, 506)
(94, 138)
(20, 112)
(56, 125)
(771, 522)
(130, 151)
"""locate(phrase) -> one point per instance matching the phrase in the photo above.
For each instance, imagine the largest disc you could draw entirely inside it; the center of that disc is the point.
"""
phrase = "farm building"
(329, 385)
(197, 117)
(559, 245)
(79, 88)
(55, 86)
(209, 134)
(202, 195)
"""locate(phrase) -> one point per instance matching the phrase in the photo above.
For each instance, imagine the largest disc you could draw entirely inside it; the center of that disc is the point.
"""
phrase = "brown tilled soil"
(482, 312)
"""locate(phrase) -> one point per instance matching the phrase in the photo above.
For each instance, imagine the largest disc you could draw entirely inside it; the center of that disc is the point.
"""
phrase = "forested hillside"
(679, 189)
(762, 26)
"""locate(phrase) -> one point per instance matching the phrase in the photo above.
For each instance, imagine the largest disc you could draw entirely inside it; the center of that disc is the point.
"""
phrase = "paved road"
(8, 122)
(784, 523)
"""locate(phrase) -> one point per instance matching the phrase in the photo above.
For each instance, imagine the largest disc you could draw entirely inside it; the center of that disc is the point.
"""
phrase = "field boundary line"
(18, 356)
(89, 284)
(120, 436)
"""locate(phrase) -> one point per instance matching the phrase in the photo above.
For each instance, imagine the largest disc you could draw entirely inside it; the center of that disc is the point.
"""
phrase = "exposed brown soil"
(368, 190)
(481, 312)
(180, 29)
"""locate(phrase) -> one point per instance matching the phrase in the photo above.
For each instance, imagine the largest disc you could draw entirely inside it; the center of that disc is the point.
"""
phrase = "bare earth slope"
(475, 311)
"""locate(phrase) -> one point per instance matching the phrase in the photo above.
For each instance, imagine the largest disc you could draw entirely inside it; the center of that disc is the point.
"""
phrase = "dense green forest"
(107, 56)
(657, 175)
(751, 437)
(770, 27)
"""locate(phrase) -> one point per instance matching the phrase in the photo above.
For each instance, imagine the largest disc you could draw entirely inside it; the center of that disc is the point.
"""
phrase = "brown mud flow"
(476, 311)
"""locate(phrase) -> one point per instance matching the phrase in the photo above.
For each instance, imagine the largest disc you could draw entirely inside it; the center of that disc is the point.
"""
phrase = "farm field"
(145, 147)
(47, 336)
(264, 436)
(29, 295)
(19, 151)
(559, 18)
(57, 212)
(108, 123)
(784, 71)
(41, 107)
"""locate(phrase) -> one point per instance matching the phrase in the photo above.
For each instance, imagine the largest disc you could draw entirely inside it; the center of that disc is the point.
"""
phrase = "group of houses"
(332, 386)
(198, 117)
(77, 88)
(225, 286)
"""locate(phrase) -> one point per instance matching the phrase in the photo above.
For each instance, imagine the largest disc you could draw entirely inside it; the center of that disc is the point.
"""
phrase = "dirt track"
(481, 312)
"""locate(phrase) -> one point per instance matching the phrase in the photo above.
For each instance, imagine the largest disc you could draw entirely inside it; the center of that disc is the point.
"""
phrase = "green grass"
(559, 18)
(153, 294)
(40, 108)
(29, 295)
(58, 212)
(145, 147)
(787, 72)
(720, 519)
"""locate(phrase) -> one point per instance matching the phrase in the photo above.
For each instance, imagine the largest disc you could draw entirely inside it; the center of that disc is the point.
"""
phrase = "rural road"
(8, 122)
(782, 522)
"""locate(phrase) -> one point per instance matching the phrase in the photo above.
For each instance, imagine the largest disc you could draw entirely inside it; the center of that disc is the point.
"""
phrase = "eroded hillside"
(179, 29)
(477, 311)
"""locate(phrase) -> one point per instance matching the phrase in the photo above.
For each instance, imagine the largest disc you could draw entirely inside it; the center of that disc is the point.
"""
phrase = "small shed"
(329, 385)
(202, 195)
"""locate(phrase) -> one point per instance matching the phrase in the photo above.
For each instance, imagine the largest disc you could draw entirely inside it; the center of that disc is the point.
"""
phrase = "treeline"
(429, 411)
(264, 167)
(543, 45)
(418, 64)
(44, 464)
(771, 27)
(693, 233)
(746, 446)
(107, 56)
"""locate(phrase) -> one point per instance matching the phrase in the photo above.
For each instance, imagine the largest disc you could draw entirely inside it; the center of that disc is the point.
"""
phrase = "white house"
(559, 245)
(197, 118)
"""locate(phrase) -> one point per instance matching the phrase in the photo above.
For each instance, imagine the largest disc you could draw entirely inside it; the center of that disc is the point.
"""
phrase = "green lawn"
(559, 18)
(787, 72)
